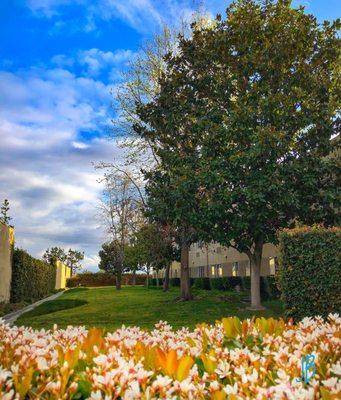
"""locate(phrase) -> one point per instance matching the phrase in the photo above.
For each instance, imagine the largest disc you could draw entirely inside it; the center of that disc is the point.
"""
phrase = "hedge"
(202, 283)
(93, 279)
(32, 279)
(268, 284)
(310, 270)
(174, 282)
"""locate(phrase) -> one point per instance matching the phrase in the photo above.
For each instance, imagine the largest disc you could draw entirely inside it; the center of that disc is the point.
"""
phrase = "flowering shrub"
(251, 359)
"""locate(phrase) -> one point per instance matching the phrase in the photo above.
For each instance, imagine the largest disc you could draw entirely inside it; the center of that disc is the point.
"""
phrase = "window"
(212, 271)
(235, 268)
(220, 270)
(272, 265)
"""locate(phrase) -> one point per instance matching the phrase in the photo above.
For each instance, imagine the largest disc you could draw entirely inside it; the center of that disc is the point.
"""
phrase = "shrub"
(233, 281)
(202, 283)
(206, 363)
(272, 287)
(309, 273)
(219, 283)
(32, 279)
(152, 282)
(174, 282)
(94, 279)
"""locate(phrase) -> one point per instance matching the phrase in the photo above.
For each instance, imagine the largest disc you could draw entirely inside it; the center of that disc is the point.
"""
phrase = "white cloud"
(142, 15)
(96, 60)
(49, 8)
(51, 123)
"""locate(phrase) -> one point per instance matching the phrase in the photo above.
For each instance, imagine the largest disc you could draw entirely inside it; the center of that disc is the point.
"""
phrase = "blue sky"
(58, 61)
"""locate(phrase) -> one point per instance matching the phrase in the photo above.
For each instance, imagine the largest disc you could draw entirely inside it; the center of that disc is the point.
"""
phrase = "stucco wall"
(207, 256)
(62, 274)
(6, 245)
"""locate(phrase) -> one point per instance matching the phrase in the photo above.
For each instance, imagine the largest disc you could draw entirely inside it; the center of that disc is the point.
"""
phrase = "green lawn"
(108, 308)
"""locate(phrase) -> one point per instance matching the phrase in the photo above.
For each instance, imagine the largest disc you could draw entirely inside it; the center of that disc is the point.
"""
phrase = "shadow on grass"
(53, 306)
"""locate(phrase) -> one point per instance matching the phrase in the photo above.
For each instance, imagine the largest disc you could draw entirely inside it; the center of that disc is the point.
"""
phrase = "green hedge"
(272, 287)
(219, 283)
(268, 284)
(174, 282)
(32, 279)
(202, 283)
(93, 279)
(310, 270)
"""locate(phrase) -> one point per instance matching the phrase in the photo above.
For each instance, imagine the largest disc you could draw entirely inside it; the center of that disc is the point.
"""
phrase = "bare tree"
(121, 212)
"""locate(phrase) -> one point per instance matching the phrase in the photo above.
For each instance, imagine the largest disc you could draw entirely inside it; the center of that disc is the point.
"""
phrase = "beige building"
(214, 260)
(6, 247)
(63, 272)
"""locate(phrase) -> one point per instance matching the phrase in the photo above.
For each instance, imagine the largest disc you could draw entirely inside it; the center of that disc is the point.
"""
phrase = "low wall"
(63, 273)
(6, 246)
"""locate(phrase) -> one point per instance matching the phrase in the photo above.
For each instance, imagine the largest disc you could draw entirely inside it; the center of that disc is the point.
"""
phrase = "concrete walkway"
(11, 318)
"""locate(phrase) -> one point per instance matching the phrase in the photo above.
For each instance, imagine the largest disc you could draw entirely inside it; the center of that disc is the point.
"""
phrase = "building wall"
(6, 246)
(62, 274)
(214, 260)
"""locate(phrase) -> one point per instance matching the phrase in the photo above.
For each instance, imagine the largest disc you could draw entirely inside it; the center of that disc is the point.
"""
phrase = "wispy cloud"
(142, 15)
(96, 60)
(46, 161)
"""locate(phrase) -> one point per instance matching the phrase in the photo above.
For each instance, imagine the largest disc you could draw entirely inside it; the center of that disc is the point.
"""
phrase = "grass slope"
(108, 308)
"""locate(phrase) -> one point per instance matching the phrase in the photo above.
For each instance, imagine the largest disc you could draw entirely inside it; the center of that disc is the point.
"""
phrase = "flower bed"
(233, 359)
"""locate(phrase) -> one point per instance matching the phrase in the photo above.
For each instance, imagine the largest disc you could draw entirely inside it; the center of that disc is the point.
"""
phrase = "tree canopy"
(242, 125)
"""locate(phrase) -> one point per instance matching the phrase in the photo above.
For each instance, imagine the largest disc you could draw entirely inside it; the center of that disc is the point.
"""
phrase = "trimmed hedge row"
(310, 270)
(268, 284)
(89, 279)
(32, 279)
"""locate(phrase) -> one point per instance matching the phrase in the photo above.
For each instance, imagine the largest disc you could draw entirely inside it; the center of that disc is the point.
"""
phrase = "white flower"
(96, 395)
(336, 369)
(101, 360)
(4, 374)
(214, 385)
(231, 389)
(223, 369)
(42, 364)
(162, 381)
(133, 392)
(330, 383)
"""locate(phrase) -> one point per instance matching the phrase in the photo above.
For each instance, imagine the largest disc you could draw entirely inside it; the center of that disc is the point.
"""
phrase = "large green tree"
(242, 125)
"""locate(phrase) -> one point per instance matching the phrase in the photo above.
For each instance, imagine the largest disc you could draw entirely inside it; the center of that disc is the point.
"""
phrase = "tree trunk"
(118, 280)
(147, 280)
(185, 284)
(255, 266)
(166, 278)
(157, 278)
(134, 278)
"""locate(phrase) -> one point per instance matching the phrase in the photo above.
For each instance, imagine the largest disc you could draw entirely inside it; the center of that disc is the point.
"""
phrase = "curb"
(12, 317)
